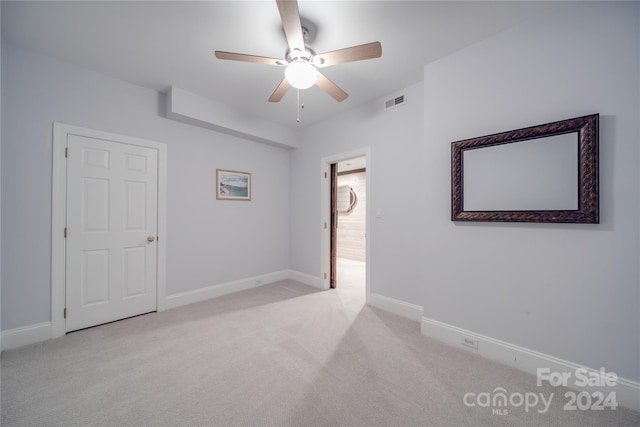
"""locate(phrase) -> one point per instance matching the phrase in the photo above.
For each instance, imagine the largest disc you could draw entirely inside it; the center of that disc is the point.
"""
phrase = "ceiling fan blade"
(331, 88)
(290, 17)
(282, 88)
(249, 58)
(349, 54)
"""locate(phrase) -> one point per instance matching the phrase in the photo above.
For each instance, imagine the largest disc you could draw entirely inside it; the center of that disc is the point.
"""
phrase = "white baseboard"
(307, 279)
(202, 294)
(19, 337)
(627, 391)
(401, 308)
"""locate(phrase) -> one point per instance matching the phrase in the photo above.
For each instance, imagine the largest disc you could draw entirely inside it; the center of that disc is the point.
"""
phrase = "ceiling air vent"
(394, 102)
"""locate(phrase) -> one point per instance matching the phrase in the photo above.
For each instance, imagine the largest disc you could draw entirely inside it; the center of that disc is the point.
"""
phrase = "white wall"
(395, 171)
(569, 291)
(209, 242)
(352, 227)
(0, 176)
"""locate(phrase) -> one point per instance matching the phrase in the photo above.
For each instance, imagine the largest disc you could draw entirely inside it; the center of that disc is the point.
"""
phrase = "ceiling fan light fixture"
(301, 75)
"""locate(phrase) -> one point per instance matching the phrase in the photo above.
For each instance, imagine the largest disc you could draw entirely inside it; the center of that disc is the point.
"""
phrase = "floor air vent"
(394, 102)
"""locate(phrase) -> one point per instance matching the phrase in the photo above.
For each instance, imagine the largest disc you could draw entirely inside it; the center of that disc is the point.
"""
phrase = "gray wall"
(396, 175)
(1, 175)
(570, 291)
(209, 242)
(352, 226)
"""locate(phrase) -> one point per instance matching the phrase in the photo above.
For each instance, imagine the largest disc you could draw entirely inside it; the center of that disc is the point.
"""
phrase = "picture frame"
(233, 185)
(584, 130)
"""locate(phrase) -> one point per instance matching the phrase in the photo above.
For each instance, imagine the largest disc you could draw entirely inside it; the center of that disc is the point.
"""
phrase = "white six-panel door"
(112, 228)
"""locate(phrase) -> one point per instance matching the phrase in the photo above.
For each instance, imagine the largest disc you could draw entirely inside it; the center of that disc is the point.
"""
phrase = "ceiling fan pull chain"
(298, 107)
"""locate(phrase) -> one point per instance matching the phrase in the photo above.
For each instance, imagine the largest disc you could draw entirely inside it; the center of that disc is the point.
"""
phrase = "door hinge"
(66, 152)
(65, 232)
(65, 313)
(325, 225)
(325, 175)
(325, 276)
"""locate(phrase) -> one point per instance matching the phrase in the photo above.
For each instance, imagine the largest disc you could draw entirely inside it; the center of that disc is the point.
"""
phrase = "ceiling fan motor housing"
(298, 55)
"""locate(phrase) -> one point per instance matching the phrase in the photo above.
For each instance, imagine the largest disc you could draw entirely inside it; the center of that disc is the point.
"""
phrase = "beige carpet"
(283, 354)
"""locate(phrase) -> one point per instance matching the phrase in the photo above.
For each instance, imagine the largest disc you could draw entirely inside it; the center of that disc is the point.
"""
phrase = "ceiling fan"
(301, 61)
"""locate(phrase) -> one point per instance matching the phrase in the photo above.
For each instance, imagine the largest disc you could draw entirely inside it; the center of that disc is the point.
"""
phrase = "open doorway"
(349, 225)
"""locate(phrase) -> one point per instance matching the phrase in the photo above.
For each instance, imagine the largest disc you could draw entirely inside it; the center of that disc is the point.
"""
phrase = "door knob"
(151, 239)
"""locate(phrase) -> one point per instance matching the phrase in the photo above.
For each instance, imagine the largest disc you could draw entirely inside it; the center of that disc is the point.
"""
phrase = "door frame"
(59, 216)
(325, 206)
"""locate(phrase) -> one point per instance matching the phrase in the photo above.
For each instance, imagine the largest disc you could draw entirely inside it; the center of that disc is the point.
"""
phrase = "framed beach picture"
(233, 185)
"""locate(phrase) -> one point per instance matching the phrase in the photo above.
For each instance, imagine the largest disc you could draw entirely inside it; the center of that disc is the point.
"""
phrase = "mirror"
(347, 199)
(527, 175)
(546, 173)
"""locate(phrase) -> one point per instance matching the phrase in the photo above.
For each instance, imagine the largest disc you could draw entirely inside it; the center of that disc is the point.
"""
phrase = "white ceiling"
(157, 44)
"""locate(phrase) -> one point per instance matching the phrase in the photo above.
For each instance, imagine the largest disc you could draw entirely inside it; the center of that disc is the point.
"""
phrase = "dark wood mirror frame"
(588, 209)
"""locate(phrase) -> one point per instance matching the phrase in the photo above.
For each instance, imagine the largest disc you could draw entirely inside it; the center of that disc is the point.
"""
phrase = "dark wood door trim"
(334, 224)
(361, 170)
